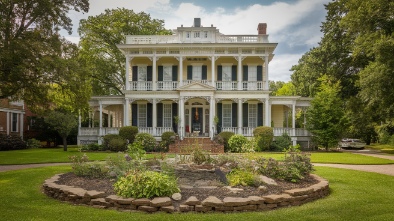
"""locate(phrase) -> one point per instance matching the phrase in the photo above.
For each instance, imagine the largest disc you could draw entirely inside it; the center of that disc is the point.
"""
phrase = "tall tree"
(31, 50)
(99, 36)
(274, 86)
(326, 118)
(287, 89)
(63, 123)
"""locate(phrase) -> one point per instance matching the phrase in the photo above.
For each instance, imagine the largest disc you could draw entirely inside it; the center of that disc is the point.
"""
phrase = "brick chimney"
(262, 28)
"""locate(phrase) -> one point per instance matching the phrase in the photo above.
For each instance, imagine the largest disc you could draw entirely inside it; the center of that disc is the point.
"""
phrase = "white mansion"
(197, 82)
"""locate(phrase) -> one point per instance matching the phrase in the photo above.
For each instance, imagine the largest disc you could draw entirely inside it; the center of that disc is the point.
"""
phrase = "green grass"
(354, 195)
(51, 155)
(385, 148)
(331, 157)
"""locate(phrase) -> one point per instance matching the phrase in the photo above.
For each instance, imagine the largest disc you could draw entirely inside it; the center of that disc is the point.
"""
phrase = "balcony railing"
(186, 82)
(141, 85)
(252, 85)
(167, 85)
(163, 39)
(226, 85)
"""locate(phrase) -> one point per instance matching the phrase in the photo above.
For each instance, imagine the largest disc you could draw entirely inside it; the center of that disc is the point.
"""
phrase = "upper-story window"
(196, 34)
(142, 73)
(205, 34)
(226, 115)
(188, 34)
(197, 73)
(142, 116)
(226, 73)
(167, 73)
(252, 73)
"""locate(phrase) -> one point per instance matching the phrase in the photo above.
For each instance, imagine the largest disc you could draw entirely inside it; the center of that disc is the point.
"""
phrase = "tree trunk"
(65, 143)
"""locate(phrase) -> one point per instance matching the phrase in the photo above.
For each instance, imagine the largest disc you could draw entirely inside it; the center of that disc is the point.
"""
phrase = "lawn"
(385, 148)
(50, 155)
(355, 196)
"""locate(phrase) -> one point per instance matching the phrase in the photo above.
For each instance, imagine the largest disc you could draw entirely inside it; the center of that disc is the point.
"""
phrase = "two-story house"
(198, 82)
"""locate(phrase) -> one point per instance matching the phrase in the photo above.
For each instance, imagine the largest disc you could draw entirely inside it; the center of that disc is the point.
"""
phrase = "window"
(197, 73)
(226, 73)
(196, 34)
(142, 73)
(226, 115)
(142, 115)
(188, 34)
(167, 115)
(252, 115)
(252, 73)
(205, 34)
(167, 73)
(14, 124)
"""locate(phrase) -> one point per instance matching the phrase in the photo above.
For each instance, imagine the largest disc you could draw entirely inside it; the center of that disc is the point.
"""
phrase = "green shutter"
(160, 74)
(259, 73)
(234, 114)
(189, 72)
(245, 73)
(245, 114)
(174, 73)
(134, 114)
(135, 73)
(234, 73)
(260, 114)
(149, 114)
(220, 72)
(149, 74)
(204, 72)
(159, 115)
(219, 112)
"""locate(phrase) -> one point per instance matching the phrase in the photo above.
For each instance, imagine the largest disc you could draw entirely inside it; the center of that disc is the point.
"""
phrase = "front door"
(197, 119)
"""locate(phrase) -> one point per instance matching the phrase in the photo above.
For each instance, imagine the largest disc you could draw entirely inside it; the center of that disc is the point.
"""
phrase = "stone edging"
(293, 197)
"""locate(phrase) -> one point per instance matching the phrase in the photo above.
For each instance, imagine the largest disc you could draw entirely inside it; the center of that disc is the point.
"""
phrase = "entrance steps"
(188, 144)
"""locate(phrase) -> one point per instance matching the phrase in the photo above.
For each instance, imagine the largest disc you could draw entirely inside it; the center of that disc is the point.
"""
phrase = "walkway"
(4, 168)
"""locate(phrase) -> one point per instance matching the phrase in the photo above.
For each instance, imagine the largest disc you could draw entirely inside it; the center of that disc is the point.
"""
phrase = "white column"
(8, 123)
(267, 113)
(180, 70)
(101, 119)
(239, 77)
(154, 75)
(213, 71)
(293, 117)
(21, 125)
(240, 116)
(181, 117)
(127, 83)
(211, 116)
(154, 120)
(126, 107)
(265, 78)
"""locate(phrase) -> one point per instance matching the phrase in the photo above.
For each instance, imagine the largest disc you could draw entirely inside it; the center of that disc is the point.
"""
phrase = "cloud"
(279, 67)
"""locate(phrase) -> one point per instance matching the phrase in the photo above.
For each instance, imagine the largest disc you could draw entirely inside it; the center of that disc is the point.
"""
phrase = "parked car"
(349, 143)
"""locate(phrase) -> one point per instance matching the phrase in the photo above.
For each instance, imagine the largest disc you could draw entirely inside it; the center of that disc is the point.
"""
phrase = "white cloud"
(279, 67)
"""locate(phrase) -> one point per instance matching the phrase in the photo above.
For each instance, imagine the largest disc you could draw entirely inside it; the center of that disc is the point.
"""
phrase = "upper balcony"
(219, 38)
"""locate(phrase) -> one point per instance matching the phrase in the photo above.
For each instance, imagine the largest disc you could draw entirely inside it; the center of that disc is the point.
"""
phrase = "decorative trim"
(207, 98)
(237, 57)
(150, 100)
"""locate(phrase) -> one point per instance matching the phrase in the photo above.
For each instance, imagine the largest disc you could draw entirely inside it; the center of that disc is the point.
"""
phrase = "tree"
(287, 89)
(63, 123)
(326, 118)
(274, 86)
(100, 36)
(31, 50)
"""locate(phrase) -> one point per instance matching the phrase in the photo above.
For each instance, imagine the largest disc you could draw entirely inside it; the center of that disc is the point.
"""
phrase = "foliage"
(274, 86)
(223, 138)
(136, 150)
(119, 164)
(287, 89)
(108, 29)
(199, 156)
(11, 142)
(33, 143)
(82, 167)
(264, 136)
(128, 133)
(145, 184)
(146, 140)
(167, 138)
(114, 142)
(326, 119)
(282, 142)
(30, 48)
(93, 147)
(242, 178)
(63, 123)
(236, 142)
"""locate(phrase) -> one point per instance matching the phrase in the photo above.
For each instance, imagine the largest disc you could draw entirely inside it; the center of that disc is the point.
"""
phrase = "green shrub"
(225, 135)
(128, 133)
(114, 142)
(136, 150)
(281, 142)
(264, 136)
(242, 178)
(235, 143)
(249, 146)
(146, 140)
(167, 138)
(82, 167)
(146, 184)
(198, 156)
(33, 143)
(11, 142)
(119, 164)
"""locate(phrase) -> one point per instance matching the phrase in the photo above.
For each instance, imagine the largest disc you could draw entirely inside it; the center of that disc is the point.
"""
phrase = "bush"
(128, 133)
(33, 143)
(146, 184)
(236, 142)
(249, 146)
(146, 140)
(136, 150)
(119, 164)
(264, 136)
(114, 142)
(82, 167)
(242, 178)
(225, 135)
(282, 142)
(199, 156)
(11, 142)
(167, 138)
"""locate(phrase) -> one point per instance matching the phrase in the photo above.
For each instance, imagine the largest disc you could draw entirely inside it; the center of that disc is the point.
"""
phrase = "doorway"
(197, 119)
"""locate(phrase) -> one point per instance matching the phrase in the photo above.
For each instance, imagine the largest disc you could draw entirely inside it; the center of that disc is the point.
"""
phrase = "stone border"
(293, 197)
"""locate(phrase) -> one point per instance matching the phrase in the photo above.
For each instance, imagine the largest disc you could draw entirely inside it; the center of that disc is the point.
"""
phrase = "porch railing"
(230, 129)
(141, 85)
(252, 85)
(110, 130)
(207, 82)
(88, 131)
(293, 132)
(167, 85)
(160, 130)
(148, 130)
(226, 85)
(247, 131)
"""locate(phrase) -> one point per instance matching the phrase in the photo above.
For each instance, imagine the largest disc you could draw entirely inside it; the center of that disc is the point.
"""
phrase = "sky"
(293, 24)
